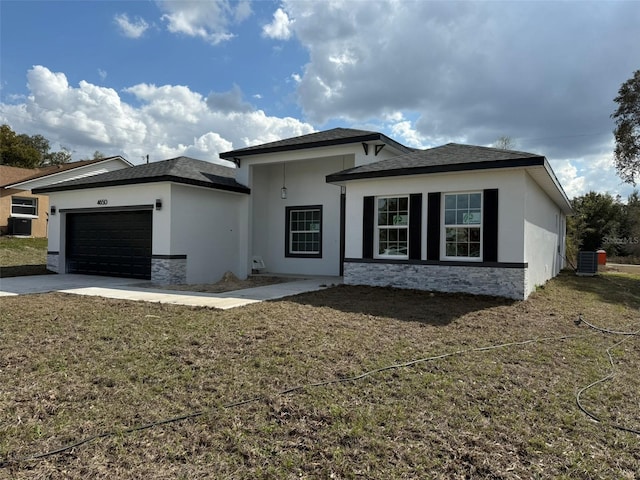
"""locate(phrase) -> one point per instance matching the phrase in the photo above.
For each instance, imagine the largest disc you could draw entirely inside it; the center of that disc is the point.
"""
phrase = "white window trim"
(377, 227)
(24, 215)
(443, 228)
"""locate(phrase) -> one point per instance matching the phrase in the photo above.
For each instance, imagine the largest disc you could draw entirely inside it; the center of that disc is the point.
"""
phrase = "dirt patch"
(621, 268)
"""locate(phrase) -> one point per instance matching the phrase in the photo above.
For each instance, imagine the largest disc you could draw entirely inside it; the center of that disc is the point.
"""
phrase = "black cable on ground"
(575, 269)
(601, 329)
(287, 391)
(607, 377)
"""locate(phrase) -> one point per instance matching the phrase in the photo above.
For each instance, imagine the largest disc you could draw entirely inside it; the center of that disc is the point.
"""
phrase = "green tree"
(15, 152)
(58, 158)
(597, 219)
(504, 143)
(22, 150)
(97, 155)
(630, 228)
(627, 131)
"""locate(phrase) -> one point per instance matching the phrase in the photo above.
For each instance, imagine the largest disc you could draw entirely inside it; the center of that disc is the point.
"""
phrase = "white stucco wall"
(204, 226)
(201, 223)
(544, 233)
(306, 185)
(120, 196)
(510, 184)
(351, 154)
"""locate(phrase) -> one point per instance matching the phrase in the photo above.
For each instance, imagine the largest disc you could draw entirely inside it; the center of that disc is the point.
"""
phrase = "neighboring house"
(26, 214)
(341, 202)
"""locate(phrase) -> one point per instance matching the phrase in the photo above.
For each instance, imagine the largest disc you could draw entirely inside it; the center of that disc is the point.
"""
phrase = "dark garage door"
(116, 244)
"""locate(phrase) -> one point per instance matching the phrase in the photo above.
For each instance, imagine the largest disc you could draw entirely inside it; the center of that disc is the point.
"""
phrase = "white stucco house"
(341, 202)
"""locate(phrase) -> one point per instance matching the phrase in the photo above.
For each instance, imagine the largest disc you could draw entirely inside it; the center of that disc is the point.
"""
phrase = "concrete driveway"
(126, 289)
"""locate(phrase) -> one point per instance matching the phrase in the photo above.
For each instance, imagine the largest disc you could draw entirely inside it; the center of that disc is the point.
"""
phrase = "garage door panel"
(110, 243)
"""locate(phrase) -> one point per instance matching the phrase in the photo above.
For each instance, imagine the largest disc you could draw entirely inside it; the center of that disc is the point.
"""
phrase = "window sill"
(391, 257)
(23, 215)
(303, 255)
(461, 259)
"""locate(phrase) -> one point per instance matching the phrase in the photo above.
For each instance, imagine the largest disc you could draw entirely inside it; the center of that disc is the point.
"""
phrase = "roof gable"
(446, 158)
(335, 136)
(36, 175)
(10, 175)
(454, 157)
(180, 170)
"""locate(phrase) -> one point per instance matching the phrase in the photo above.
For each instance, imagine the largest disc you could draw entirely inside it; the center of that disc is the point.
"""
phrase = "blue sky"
(169, 78)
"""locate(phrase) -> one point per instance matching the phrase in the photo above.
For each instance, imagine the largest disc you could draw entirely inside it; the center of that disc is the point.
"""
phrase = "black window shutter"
(433, 226)
(415, 226)
(490, 226)
(368, 217)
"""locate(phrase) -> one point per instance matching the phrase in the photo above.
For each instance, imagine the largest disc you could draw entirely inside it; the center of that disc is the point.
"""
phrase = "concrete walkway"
(127, 289)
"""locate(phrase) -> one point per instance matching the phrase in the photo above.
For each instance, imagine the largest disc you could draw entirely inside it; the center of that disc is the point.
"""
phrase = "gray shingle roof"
(447, 158)
(180, 170)
(335, 136)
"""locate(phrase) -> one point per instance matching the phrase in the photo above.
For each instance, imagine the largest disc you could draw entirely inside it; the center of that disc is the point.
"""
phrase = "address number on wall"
(103, 201)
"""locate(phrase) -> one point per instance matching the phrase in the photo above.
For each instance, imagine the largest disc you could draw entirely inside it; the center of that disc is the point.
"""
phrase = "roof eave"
(54, 174)
(448, 168)
(567, 208)
(318, 144)
(133, 181)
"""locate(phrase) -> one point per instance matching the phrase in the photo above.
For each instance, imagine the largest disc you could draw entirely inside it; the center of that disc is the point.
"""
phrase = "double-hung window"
(392, 227)
(463, 226)
(304, 231)
(24, 207)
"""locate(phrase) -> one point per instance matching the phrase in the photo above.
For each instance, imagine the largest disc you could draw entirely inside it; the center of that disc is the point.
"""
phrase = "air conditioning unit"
(587, 264)
(20, 226)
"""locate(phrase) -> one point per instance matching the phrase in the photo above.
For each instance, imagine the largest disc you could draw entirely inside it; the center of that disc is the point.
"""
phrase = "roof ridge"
(495, 149)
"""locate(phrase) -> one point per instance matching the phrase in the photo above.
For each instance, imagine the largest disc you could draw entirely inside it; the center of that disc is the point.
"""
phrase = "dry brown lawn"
(22, 256)
(74, 367)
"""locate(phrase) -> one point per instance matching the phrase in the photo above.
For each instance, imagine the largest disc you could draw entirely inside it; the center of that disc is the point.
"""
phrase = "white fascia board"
(52, 178)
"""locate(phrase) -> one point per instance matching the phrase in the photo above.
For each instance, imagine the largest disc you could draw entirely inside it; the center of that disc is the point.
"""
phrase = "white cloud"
(131, 29)
(167, 121)
(207, 20)
(102, 74)
(405, 133)
(228, 102)
(474, 70)
(280, 27)
(567, 173)
(594, 172)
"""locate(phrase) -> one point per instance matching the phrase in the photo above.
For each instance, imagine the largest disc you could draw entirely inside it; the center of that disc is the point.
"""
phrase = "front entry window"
(304, 231)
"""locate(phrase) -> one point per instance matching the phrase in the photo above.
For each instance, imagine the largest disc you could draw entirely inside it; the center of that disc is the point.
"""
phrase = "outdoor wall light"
(53, 210)
(283, 193)
(158, 204)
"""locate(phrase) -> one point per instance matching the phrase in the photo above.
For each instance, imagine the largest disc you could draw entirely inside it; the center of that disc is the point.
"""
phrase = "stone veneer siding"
(482, 280)
(53, 262)
(169, 270)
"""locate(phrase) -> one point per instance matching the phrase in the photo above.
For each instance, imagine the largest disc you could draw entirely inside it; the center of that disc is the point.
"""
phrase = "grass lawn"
(22, 256)
(73, 367)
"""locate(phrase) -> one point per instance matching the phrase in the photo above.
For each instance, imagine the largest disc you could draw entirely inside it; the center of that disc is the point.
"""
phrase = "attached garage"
(173, 221)
(117, 243)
